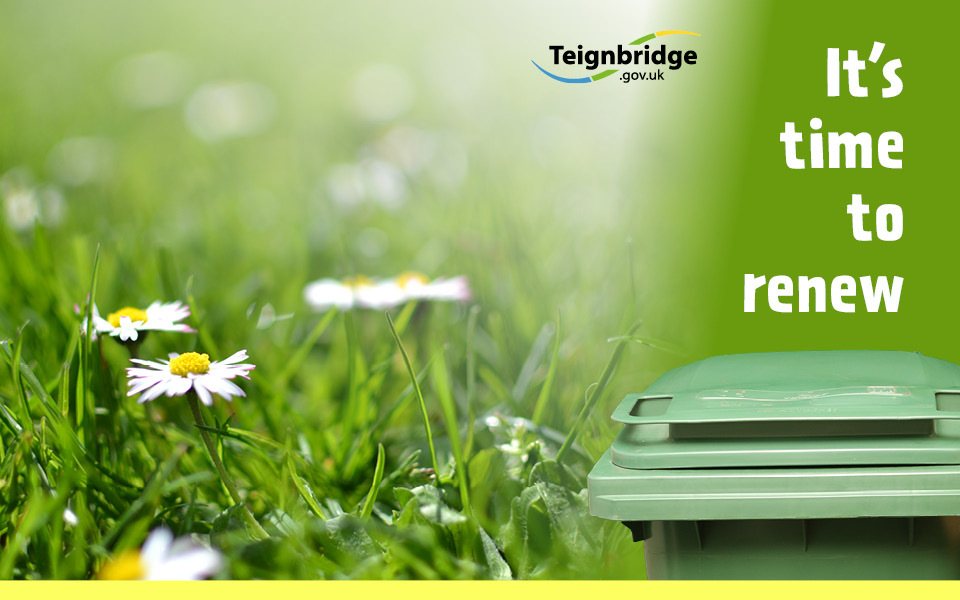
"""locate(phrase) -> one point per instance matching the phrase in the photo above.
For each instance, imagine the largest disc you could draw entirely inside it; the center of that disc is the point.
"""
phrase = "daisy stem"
(256, 530)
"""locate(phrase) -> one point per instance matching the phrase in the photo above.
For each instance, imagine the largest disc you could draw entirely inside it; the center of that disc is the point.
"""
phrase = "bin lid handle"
(731, 405)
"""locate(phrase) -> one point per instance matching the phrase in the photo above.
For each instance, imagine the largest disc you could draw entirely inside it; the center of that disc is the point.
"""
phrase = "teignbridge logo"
(637, 53)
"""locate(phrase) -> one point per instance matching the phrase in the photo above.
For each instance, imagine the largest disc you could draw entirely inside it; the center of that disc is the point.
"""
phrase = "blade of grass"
(535, 356)
(595, 393)
(441, 385)
(351, 408)
(630, 271)
(304, 488)
(71, 445)
(371, 387)
(378, 373)
(63, 390)
(544, 398)
(151, 492)
(404, 316)
(387, 417)
(38, 512)
(419, 394)
(83, 377)
(244, 436)
(21, 432)
(496, 385)
(72, 348)
(9, 421)
(206, 341)
(50, 410)
(293, 365)
(471, 380)
(367, 509)
(70, 441)
(24, 406)
(652, 342)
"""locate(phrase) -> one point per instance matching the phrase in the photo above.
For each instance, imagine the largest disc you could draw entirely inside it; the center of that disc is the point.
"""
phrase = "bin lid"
(790, 409)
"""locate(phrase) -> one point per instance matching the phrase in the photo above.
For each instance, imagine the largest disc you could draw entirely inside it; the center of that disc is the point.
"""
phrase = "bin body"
(864, 548)
(803, 465)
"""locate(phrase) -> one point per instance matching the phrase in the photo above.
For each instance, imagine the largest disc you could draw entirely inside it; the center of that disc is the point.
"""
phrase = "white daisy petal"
(149, 363)
(230, 371)
(204, 395)
(127, 329)
(99, 323)
(154, 391)
(141, 372)
(456, 289)
(138, 385)
(167, 313)
(179, 386)
(222, 387)
(383, 295)
(234, 358)
(185, 565)
(157, 545)
(328, 293)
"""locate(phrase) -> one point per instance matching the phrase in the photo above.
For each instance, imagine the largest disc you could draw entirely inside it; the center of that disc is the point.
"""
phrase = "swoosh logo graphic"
(608, 72)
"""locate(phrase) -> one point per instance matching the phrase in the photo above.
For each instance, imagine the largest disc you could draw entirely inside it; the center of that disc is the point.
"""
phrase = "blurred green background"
(274, 144)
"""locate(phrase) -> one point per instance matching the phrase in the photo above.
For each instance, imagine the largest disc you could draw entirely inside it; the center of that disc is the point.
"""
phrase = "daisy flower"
(186, 372)
(127, 323)
(194, 372)
(163, 558)
(363, 292)
(416, 286)
(354, 291)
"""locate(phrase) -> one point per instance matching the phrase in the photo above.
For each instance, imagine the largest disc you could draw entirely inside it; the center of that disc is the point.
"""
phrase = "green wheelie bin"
(791, 465)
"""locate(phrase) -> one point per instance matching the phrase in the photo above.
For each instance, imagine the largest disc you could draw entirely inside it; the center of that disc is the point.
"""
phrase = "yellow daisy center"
(190, 362)
(405, 279)
(357, 281)
(123, 567)
(135, 314)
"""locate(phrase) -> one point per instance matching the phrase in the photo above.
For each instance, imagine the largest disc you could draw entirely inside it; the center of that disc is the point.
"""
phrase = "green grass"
(440, 441)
